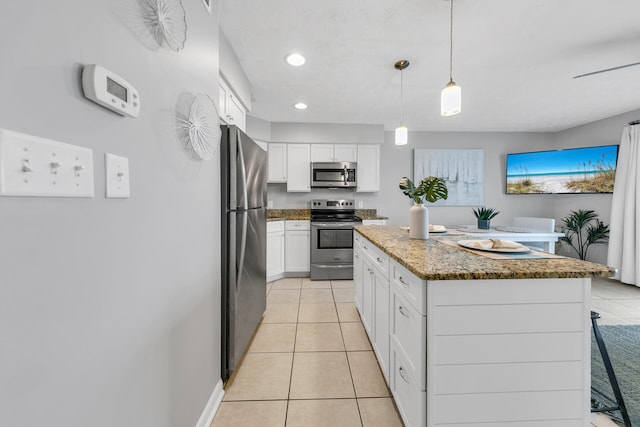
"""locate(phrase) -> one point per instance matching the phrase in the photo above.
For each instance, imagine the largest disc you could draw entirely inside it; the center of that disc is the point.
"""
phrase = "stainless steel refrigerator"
(244, 242)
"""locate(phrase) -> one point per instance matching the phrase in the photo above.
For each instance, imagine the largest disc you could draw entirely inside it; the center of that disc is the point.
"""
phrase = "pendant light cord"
(451, 45)
(401, 99)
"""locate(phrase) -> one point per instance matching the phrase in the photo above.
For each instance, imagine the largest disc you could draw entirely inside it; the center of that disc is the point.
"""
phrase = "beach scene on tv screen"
(576, 170)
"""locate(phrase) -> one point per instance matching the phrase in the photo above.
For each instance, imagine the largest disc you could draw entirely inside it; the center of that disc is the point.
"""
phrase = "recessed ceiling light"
(300, 105)
(295, 59)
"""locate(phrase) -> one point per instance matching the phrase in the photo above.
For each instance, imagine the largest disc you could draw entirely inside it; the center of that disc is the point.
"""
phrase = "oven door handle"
(335, 224)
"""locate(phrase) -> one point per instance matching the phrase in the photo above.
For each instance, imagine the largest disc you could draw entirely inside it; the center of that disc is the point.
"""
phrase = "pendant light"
(451, 95)
(402, 133)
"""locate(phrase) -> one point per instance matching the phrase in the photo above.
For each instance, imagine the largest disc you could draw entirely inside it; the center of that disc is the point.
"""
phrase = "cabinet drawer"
(408, 329)
(411, 287)
(297, 225)
(378, 258)
(410, 399)
(274, 226)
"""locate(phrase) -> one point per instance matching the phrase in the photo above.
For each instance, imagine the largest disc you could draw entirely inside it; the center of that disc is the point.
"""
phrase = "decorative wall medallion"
(166, 20)
(203, 126)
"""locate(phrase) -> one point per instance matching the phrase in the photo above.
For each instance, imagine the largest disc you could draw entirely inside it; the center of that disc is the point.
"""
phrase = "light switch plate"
(117, 171)
(39, 167)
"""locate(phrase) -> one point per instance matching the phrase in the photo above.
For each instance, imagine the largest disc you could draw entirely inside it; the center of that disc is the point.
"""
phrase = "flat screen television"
(574, 170)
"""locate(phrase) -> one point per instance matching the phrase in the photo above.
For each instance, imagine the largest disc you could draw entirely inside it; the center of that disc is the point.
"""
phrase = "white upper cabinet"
(277, 162)
(298, 168)
(334, 152)
(232, 111)
(368, 168)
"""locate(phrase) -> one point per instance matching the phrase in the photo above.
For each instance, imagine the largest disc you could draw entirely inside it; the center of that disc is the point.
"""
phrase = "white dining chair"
(535, 223)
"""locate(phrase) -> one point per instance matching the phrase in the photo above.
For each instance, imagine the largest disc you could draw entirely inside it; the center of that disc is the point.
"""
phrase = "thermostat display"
(116, 90)
(110, 90)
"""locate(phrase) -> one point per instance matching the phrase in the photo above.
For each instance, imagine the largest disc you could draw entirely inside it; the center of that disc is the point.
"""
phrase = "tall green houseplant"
(582, 228)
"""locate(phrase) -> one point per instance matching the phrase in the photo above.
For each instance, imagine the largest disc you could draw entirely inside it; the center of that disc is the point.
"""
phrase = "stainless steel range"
(332, 223)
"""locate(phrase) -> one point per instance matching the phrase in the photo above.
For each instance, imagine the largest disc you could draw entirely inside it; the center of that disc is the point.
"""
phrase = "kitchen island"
(465, 340)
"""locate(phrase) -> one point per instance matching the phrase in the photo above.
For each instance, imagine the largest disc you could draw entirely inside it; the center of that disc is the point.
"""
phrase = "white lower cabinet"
(275, 250)
(297, 246)
(366, 310)
(410, 398)
(381, 320)
(456, 348)
(372, 296)
(358, 266)
(396, 329)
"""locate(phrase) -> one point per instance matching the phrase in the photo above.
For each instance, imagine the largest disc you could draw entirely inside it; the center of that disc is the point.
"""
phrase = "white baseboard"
(212, 406)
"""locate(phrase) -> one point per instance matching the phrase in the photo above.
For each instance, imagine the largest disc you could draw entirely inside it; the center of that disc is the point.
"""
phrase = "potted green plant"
(484, 216)
(585, 227)
(430, 189)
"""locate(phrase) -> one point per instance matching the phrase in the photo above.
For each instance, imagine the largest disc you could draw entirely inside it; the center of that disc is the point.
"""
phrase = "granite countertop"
(288, 214)
(305, 214)
(431, 260)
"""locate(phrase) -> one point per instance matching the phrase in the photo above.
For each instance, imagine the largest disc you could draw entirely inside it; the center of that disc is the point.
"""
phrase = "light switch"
(117, 170)
(39, 167)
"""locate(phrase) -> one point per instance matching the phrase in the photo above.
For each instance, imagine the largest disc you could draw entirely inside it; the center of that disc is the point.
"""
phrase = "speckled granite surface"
(304, 214)
(369, 214)
(288, 214)
(431, 260)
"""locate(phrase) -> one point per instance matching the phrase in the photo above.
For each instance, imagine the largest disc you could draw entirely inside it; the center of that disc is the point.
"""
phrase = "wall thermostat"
(110, 90)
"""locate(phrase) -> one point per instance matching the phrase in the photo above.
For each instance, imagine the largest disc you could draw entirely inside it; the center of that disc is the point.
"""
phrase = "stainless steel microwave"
(333, 175)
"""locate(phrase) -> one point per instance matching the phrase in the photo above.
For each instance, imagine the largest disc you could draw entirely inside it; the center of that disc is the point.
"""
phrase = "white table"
(544, 239)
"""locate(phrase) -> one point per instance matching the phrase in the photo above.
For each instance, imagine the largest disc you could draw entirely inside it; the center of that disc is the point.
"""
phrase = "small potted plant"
(430, 189)
(485, 215)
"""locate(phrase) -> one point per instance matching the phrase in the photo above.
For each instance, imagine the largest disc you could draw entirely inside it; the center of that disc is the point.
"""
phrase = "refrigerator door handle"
(243, 173)
(243, 248)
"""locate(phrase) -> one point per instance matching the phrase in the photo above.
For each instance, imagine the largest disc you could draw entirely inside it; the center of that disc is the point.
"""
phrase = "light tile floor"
(311, 364)
(618, 304)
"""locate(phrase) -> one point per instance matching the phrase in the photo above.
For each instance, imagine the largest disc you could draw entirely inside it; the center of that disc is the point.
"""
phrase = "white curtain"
(624, 237)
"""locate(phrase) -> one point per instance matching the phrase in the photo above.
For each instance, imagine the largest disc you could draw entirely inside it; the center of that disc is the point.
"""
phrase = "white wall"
(109, 309)
(397, 161)
(232, 71)
(603, 132)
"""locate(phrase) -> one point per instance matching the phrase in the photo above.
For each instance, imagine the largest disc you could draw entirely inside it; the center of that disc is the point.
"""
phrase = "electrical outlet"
(117, 176)
(39, 167)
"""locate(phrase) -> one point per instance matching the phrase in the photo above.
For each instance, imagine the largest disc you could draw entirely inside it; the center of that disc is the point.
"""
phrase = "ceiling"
(514, 60)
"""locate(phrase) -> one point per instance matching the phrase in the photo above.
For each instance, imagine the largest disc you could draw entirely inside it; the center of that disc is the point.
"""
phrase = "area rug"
(623, 345)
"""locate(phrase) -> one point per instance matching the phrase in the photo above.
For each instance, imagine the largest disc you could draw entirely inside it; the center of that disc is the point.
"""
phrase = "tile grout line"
(293, 355)
(346, 355)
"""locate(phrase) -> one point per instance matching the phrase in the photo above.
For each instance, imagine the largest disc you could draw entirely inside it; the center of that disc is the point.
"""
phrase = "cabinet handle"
(379, 260)
(401, 371)
(401, 310)
(402, 281)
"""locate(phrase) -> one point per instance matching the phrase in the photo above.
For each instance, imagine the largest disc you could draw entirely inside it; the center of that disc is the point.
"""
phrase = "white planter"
(418, 222)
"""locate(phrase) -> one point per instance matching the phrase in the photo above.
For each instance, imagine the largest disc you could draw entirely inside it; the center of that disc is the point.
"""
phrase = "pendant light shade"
(451, 95)
(451, 99)
(402, 133)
